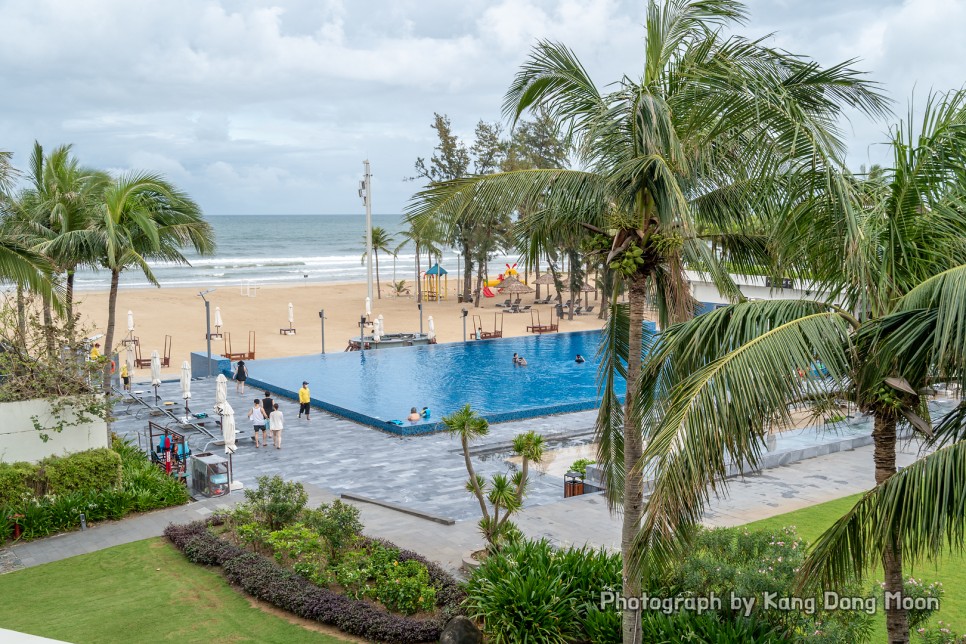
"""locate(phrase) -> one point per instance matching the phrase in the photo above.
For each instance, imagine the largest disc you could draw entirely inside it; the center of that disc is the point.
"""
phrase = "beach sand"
(180, 313)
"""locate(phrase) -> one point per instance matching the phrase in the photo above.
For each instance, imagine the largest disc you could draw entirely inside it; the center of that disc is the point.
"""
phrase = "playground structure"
(511, 271)
(249, 288)
(480, 334)
(434, 288)
(537, 327)
(241, 355)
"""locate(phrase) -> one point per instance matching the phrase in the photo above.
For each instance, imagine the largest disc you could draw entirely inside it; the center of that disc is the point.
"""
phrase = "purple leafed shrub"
(262, 578)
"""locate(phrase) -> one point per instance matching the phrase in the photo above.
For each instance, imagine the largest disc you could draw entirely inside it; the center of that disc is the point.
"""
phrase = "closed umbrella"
(186, 385)
(218, 323)
(130, 321)
(155, 373)
(382, 325)
(221, 389)
(129, 360)
(291, 316)
(432, 328)
(227, 426)
(377, 329)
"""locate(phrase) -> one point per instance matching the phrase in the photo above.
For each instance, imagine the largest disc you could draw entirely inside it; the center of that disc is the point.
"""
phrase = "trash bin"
(573, 485)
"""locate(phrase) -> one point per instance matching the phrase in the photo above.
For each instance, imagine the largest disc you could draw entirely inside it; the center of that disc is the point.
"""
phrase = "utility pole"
(365, 192)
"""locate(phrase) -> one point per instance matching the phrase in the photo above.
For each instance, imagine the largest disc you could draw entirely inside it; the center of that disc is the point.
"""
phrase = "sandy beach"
(180, 313)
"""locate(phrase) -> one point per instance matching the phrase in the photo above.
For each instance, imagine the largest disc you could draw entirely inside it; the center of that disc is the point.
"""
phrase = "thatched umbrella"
(518, 287)
(546, 278)
(508, 281)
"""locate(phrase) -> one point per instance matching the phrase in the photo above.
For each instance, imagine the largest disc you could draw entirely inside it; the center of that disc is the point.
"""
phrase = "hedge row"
(93, 469)
(262, 578)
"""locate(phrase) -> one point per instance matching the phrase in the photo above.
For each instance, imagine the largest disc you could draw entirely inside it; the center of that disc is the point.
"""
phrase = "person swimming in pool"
(414, 415)
(579, 359)
(521, 361)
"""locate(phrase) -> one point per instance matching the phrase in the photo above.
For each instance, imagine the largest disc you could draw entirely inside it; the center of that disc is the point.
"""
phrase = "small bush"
(275, 502)
(18, 481)
(706, 627)
(337, 523)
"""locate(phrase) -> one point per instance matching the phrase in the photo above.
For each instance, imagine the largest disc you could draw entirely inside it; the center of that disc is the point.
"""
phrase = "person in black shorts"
(268, 404)
(305, 401)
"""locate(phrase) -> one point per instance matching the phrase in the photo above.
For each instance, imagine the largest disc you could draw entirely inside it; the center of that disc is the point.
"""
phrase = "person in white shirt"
(276, 422)
(258, 417)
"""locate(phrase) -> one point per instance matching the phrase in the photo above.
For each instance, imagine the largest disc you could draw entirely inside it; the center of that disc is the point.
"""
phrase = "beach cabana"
(435, 283)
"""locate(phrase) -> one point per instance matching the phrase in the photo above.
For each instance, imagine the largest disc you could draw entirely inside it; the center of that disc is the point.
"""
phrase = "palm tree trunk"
(536, 271)
(49, 327)
(22, 316)
(633, 450)
(419, 282)
(378, 287)
(897, 618)
(109, 333)
(69, 305)
(474, 482)
(467, 271)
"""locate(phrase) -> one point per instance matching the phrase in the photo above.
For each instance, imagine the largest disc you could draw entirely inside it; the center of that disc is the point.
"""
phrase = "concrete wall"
(219, 364)
(20, 441)
(753, 287)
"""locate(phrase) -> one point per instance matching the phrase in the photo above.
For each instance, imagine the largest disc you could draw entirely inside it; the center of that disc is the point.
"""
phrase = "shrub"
(941, 633)
(529, 591)
(706, 627)
(337, 523)
(275, 502)
(18, 481)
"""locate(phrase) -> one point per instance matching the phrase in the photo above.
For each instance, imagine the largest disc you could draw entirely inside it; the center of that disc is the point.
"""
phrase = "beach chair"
(139, 361)
(166, 358)
(589, 309)
(524, 309)
(505, 304)
(578, 309)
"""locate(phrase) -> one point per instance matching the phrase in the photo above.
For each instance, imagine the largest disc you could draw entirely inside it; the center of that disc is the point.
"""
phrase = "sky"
(271, 107)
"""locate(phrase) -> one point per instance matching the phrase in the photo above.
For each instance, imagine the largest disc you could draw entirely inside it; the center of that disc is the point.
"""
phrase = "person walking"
(125, 377)
(277, 423)
(305, 398)
(241, 375)
(268, 405)
(257, 414)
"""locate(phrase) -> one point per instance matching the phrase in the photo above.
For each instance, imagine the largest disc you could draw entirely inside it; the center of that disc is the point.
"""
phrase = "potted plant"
(579, 467)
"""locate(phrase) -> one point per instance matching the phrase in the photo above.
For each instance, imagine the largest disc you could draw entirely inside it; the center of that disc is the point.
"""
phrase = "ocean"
(278, 249)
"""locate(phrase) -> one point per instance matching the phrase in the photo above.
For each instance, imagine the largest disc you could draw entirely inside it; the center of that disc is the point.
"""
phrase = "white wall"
(19, 441)
(753, 287)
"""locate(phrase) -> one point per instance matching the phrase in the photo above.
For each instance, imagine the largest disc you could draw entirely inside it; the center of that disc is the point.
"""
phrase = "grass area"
(951, 570)
(144, 591)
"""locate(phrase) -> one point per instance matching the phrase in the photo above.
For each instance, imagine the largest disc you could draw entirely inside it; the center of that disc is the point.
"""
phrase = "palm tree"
(18, 263)
(892, 322)
(58, 207)
(702, 145)
(381, 241)
(141, 216)
(420, 241)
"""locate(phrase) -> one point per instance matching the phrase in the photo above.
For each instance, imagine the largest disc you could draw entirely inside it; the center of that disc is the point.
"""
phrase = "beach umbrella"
(221, 389)
(518, 287)
(186, 385)
(291, 316)
(218, 323)
(382, 325)
(508, 281)
(546, 278)
(227, 426)
(432, 328)
(368, 308)
(130, 321)
(155, 373)
(587, 288)
(129, 360)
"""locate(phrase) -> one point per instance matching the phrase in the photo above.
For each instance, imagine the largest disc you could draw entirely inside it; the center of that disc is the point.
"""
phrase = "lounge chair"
(505, 304)
(589, 309)
(525, 308)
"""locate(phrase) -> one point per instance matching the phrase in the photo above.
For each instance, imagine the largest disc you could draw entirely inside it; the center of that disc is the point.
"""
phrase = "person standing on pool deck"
(241, 375)
(305, 399)
(268, 404)
(257, 414)
(276, 421)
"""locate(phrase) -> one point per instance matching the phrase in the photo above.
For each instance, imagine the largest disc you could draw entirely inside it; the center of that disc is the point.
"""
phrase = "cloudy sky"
(270, 107)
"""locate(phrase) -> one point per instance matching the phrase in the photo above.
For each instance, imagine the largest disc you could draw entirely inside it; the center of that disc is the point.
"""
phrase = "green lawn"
(120, 595)
(951, 570)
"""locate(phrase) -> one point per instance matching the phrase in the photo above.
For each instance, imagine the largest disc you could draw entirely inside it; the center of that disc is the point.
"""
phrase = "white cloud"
(271, 108)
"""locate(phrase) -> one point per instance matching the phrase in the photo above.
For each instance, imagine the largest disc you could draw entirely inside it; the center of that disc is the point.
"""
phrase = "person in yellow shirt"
(304, 401)
(125, 377)
(96, 352)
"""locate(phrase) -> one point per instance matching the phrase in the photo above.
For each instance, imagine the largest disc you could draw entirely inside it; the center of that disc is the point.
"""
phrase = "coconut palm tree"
(140, 217)
(420, 241)
(381, 241)
(702, 145)
(888, 256)
(19, 264)
(56, 214)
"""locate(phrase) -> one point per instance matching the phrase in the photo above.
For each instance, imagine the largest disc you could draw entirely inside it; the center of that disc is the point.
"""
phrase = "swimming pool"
(375, 387)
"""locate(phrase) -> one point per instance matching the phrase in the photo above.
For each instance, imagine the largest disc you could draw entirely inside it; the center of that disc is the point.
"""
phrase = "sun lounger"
(589, 309)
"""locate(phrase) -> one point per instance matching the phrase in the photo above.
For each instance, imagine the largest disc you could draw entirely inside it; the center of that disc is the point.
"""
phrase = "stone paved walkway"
(577, 521)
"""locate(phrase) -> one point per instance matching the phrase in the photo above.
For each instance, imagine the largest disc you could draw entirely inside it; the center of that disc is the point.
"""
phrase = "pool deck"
(426, 475)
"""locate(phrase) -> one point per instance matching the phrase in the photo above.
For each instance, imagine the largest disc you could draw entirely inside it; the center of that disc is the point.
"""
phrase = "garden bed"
(316, 565)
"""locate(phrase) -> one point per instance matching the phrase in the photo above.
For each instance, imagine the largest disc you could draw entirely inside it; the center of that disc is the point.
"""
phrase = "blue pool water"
(381, 385)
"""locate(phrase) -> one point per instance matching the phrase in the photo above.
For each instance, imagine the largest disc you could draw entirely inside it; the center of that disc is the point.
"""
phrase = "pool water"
(374, 387)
